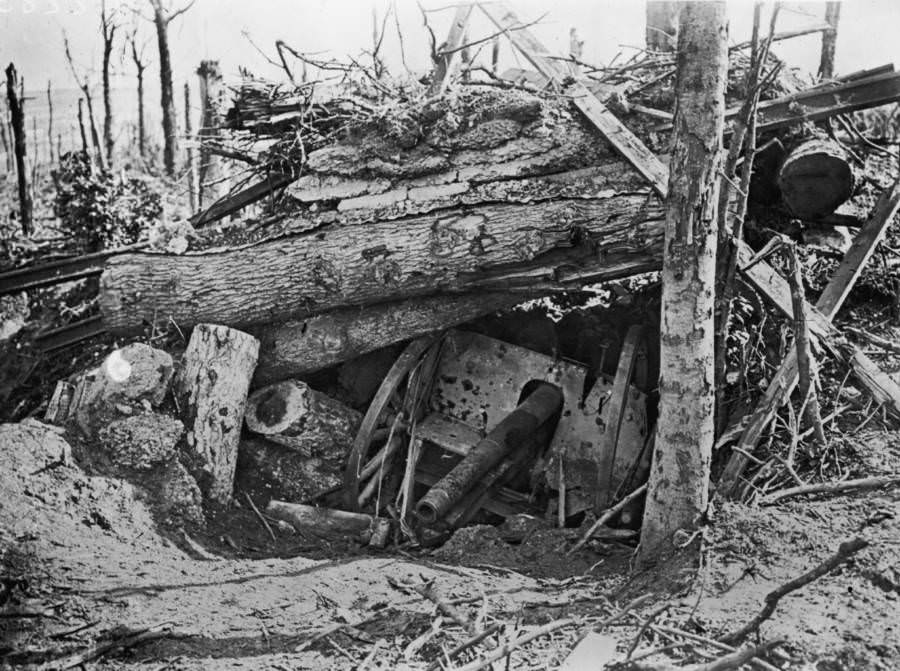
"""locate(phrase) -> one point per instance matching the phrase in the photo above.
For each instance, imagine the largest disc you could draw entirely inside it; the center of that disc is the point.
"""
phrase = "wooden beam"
(448, 53)
(783, 382)
(615, 132)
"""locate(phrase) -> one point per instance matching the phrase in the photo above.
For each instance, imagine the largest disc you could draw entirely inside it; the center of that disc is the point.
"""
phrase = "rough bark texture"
(553, 244)
(292, 414)
(302, 346)
(679, 479)
(662, 25)
(212, 391)
(829, 39)
(212, 184)
(167, 95)
(815, 179)
(17, 118)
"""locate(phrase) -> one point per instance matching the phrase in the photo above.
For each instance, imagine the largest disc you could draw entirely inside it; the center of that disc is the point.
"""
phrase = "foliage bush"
(99, 208)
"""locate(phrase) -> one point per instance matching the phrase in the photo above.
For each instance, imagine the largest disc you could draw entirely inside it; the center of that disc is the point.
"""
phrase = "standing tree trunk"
(662, 25)
(191, 169)
(679, 481)
(7, 151)
(167, 97)
(140, 65)
(17, 113)
(212, 185)
(86, 91)
(50, 123)
(108, 31)
(84, 142)
(829, 40)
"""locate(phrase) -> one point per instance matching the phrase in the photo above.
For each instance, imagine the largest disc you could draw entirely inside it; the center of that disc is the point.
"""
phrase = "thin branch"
(468, 45)
(178, 12)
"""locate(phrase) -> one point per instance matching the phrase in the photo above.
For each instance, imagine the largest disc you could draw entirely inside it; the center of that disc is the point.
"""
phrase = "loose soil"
(83, 561)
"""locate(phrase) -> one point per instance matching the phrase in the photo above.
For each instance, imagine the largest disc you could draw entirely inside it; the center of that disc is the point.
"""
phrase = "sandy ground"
(84, 562)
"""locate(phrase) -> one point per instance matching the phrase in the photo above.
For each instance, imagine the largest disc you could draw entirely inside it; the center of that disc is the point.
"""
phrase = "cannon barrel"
(516, 429)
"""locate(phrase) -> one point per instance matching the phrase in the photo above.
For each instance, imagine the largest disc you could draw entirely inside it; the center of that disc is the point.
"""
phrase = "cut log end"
(815, 179)
(273, 409)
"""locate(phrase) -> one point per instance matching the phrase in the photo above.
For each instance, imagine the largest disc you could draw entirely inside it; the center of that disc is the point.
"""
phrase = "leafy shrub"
(101, 209)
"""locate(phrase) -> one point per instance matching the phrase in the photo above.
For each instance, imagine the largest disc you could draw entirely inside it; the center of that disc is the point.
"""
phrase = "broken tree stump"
(292, 414)
(815, 178)
(212, 391)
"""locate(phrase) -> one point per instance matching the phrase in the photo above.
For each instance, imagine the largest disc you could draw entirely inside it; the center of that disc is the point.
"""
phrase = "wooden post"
(212, 390)
(191, 168)
(829, 39)
(211, 173)
(17, 114)
(678, 488)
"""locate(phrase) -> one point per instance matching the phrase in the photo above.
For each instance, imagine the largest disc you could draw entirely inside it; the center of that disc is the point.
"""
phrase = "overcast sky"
(31, 32)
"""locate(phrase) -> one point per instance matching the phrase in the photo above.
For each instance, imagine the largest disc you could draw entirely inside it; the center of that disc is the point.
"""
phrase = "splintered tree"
(662, 25)
(137, 56)
(108, 32)
(15, 100)
(161, 20)
(678, 488)
(85, 87)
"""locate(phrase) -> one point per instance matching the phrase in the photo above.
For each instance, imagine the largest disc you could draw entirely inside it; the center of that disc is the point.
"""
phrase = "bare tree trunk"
(50, 123)
(191, 169)
(679, 481)
(108, 31)
(95, 136)
(140, 66)
(662, 25)
(84, 142)
(829, 39)
(17, 113)
(210, 173)
(167, 97)
(7, 152)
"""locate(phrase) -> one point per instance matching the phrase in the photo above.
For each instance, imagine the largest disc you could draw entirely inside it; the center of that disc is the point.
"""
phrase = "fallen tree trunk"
(292, 414)
(553, 244)
(815, 178)
(302, 346)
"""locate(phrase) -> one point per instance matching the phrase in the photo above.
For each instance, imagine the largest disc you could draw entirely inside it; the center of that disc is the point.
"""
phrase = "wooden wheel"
(383, 431)
(632, 370)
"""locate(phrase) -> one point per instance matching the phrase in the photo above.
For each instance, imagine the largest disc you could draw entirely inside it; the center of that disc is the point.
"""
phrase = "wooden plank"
(783, 382)
(448, 54)
(618, 135)
(231, 203)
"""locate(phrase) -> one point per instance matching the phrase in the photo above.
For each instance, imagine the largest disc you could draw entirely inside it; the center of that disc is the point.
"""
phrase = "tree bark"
(108, 32)
(17, 115)
(7, 150)
(191, 168)
(84, 142)
(292, 414)
(829, 40)
(815, 178)
(212, 392)
(549, 245)
(300, 347)
(679, 479)
(95, 137)
(211, 173)
(167, 95)
(662, 25)
(140, 66)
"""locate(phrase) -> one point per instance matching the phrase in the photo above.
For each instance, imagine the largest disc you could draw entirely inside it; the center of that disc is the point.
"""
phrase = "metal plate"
(480, 380)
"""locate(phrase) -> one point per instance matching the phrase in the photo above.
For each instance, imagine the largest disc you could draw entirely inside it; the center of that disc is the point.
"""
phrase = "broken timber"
(828, 305)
